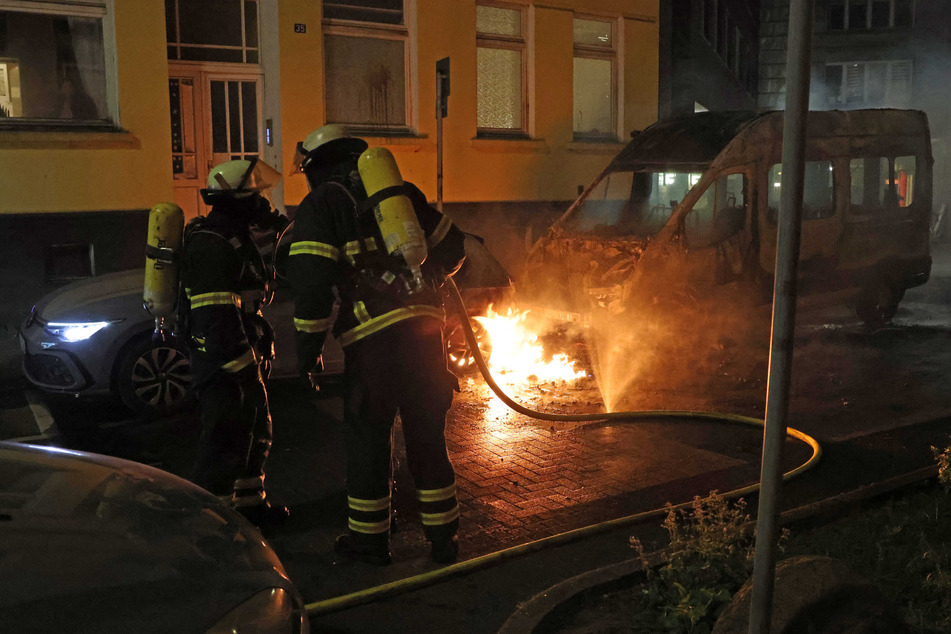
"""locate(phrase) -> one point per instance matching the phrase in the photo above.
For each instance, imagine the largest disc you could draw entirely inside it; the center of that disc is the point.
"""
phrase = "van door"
(821, 224)
(716, 235)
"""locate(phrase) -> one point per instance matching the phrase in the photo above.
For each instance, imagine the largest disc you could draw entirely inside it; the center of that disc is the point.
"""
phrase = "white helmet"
(242, 177)
(327, 145)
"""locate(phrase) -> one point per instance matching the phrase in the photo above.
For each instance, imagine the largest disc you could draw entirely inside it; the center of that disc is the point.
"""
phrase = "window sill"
(517, 145)
(396, 143)
(607, 146)
(59, 139)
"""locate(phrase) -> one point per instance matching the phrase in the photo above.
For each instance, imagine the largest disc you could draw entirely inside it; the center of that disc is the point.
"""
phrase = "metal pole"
(782, 339)
(439, 98)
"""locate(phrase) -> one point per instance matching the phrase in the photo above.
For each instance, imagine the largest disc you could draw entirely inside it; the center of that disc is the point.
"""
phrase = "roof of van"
(692, 142)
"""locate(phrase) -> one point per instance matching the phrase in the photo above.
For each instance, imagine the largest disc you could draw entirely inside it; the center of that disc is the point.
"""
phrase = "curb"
(530, 614)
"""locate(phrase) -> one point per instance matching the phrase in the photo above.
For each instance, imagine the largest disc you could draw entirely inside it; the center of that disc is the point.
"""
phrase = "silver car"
(94, 337)
(90, 543)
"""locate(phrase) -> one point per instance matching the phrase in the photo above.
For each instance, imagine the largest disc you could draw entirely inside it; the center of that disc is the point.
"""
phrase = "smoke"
(664, 338)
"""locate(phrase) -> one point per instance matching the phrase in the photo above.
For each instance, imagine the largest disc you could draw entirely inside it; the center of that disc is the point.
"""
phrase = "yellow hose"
(416, 582)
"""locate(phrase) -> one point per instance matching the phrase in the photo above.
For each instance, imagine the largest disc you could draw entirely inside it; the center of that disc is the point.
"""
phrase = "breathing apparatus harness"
(376, 272)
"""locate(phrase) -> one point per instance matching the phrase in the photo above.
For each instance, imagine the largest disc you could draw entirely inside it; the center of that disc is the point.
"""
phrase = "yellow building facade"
(110, 106)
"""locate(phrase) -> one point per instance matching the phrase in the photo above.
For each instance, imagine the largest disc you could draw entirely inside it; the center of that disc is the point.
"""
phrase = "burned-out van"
(690, 207)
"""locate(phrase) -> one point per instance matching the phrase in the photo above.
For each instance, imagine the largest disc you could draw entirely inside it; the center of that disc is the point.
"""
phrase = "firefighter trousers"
(401, 369)
(236, 436)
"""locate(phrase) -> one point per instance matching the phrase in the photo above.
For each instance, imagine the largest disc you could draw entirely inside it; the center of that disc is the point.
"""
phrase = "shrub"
(710, 556)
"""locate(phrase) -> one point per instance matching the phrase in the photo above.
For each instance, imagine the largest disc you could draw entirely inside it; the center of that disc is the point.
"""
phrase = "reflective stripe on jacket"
(331, 244)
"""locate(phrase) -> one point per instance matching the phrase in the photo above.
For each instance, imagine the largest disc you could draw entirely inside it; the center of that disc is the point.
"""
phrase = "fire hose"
(343, 602)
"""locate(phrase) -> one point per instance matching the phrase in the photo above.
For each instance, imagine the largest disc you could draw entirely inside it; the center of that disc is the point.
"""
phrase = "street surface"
(875, 401)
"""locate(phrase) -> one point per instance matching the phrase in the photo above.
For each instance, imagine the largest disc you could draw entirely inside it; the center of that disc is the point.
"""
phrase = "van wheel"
(878, 304)
(153, 380)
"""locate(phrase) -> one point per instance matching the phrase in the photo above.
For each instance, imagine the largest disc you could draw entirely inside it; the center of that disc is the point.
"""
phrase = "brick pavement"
(519, 480)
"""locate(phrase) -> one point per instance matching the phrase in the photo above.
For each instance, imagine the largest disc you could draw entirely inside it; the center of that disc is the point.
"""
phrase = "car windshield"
(627, 203)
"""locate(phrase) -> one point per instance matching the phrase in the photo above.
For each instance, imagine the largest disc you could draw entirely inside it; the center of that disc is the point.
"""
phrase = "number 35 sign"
(300, 28)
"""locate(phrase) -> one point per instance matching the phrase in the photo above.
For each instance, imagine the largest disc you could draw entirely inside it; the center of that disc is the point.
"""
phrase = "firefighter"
(225, 282)
(395, 359)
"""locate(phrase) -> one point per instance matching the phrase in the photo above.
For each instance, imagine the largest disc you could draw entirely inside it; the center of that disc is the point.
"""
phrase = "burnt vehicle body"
(690, 207)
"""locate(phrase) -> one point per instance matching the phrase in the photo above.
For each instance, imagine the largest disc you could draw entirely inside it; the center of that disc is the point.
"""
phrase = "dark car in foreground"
(90, 543)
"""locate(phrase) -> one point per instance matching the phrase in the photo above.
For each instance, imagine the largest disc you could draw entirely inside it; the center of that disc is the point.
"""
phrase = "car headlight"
(268, 612)
(75, 330)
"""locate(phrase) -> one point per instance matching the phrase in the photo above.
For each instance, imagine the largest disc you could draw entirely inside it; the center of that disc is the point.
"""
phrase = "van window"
(880, 184)
(818, 200)
(718, 214)
(631, 203)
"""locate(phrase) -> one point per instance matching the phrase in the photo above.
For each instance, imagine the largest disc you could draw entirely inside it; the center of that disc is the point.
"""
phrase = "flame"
(517, 356)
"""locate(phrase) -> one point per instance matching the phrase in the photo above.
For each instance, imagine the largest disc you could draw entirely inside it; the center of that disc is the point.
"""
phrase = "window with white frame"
(53, 69)
(869, 84)
(212, 30)
(595, 79)
(869, 14)
(366, 59)
(501, 103)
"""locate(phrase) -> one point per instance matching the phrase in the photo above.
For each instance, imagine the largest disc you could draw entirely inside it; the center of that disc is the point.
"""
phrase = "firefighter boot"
(445, 551)
(352, 548)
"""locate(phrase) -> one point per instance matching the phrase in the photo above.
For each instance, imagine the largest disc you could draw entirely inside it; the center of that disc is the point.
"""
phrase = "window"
(869, 14)
(718, 214)
(818, 191)
(366, 57)
(595, 86)
(212, 30)
(626, 203)
(882, 184)
(869, 84)
(53, 65)
(500, 82)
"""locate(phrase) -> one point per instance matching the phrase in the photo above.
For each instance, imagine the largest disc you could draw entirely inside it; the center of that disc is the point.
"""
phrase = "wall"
(96, 187)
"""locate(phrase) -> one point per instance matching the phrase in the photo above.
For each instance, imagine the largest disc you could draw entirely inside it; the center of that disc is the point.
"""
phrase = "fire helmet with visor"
(239, 179)
(327, 146)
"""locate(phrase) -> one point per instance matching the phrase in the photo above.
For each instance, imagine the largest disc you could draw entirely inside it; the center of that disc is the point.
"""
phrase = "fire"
(517, 356)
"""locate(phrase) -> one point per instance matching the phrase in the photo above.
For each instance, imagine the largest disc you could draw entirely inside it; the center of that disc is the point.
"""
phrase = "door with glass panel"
(216, 117)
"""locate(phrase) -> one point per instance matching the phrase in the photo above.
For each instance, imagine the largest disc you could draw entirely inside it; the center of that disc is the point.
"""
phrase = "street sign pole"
(782, 339)
(442, 109)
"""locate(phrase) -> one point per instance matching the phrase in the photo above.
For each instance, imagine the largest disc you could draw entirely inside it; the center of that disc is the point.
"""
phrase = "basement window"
(53, 72)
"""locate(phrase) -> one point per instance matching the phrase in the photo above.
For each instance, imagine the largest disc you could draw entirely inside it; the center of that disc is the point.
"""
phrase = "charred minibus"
(690, 207)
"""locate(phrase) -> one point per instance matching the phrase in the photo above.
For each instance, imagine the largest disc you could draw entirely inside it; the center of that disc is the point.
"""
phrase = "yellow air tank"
(395, 214)
(166, 222)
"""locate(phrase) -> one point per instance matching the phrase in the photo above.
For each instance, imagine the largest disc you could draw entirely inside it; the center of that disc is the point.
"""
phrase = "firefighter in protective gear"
(395, 358)
(225, 281)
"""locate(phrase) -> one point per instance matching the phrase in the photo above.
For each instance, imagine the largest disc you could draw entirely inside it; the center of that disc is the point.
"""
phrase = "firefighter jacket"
(222, 273)
(338, 251)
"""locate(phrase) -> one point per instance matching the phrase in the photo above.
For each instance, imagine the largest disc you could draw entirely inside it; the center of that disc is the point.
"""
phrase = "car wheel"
(153, 380)
(461, 357)
(878, 304)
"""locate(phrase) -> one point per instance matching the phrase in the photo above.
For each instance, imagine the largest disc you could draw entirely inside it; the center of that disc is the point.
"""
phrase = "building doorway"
(216, 117)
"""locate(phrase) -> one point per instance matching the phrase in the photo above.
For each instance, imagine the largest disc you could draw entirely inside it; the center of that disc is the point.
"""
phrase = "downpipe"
(416, 582)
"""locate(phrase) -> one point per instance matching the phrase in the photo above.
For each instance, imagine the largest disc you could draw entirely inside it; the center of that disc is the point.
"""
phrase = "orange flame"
(517, 357)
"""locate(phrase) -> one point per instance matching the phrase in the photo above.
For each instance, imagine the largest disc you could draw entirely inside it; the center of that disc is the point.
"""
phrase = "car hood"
(110, 296)
(96, 544)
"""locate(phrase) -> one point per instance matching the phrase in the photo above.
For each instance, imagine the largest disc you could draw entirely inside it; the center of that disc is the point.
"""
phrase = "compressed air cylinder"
(394, 215)
(166, 222)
